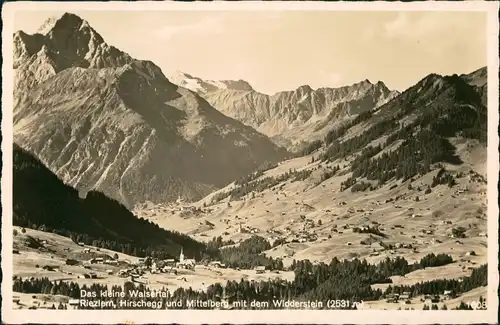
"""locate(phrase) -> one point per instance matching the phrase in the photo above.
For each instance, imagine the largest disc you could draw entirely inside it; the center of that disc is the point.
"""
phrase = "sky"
(282, 50)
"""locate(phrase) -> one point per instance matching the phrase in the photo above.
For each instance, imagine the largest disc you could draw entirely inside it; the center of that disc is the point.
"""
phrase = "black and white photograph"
(225, 159)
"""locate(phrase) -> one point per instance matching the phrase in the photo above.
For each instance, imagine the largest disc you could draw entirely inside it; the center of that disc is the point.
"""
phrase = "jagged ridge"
(291, 117)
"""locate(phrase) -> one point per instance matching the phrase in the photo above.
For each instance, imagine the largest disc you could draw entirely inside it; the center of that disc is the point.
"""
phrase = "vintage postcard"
(253, 162)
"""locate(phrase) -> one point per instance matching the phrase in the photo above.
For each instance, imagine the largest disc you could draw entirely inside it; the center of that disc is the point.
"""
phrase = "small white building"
(169, 262)
(73, 302)
(187, 264)
(96, 260)
(260, 269)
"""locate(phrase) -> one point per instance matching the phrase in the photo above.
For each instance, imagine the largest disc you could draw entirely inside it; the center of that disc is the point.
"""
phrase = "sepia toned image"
(235, 159)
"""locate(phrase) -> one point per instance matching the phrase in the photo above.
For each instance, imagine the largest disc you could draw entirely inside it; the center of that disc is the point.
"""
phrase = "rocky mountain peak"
(363, 85)
(47, 25)
(237, 85)
(304, 89)
(60, 44)
(381, 85)
(74, 31)
(477, 78)
(444, 89)
(68, 22)
(435, 82)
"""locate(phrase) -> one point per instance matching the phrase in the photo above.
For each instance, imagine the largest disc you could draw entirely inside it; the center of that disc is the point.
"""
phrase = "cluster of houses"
(89, 275)
(247, 229)
(300, 237)
(102, 260)
(474, 177)
(178, 206)
(162, 266)
(406, 297)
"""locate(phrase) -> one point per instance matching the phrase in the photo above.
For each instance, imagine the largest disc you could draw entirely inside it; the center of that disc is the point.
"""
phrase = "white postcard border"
(12, 316)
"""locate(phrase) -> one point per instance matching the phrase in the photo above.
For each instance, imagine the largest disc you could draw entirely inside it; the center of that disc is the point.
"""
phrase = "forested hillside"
(415, 129)
(42, 201)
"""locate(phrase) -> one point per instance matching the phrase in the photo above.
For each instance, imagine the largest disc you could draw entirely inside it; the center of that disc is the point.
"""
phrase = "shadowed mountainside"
(42, 201)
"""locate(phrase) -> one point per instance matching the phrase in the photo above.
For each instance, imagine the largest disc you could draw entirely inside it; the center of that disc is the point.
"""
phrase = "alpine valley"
(127, 179)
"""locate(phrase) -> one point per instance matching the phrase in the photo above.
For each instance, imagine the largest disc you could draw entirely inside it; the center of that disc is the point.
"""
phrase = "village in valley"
(134, 189)
(66, 260)
(398, 226)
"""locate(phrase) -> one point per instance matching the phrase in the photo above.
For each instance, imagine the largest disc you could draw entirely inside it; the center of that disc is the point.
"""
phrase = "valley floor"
(317, 221)
(30, 262)
(313, 220)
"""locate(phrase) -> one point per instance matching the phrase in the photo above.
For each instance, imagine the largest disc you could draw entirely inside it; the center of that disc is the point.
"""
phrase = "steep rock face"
(60, 44)
(290, 117)
(101, 120)
(479, 79)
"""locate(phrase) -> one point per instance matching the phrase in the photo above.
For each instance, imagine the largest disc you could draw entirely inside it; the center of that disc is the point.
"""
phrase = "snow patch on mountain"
(290, 118)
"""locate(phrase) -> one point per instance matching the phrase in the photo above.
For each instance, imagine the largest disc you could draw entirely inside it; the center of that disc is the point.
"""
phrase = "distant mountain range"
(290, 118)
(101, 120)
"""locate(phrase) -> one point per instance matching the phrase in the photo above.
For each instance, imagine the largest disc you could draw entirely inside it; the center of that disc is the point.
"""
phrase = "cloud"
(428, 24)
(215, 23)
(400, 26)
(210, 24)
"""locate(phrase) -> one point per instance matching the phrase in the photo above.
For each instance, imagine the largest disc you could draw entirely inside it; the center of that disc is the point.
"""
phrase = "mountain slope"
(478, 79)
(102, 120)
(406, 174)
(44, 202)
(290, 117)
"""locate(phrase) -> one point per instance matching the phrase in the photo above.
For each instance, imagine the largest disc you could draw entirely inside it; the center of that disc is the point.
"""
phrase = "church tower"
(181, 256)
